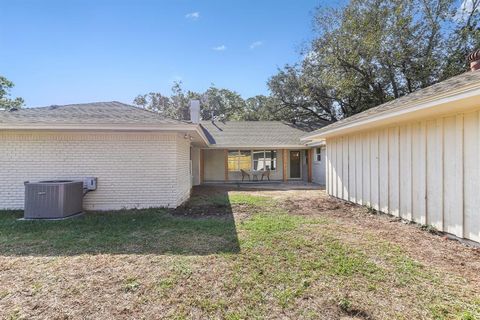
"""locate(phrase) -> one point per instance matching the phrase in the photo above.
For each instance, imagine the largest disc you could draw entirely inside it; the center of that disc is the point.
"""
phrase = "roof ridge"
(73, 104)
(104, 103)
(149, 111)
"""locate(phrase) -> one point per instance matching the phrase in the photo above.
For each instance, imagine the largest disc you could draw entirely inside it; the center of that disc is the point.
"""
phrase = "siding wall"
(214, 165)
(426, 171)
(196, 166)
(133, 169)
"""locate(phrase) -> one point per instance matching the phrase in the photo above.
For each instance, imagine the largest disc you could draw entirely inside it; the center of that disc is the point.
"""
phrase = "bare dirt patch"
(433, 250)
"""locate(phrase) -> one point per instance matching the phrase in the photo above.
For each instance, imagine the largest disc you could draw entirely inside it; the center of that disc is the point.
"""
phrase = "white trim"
(252, 161)
(316, 143)
(400, 111)
(315, 153)
(108, 127)
(86, 126)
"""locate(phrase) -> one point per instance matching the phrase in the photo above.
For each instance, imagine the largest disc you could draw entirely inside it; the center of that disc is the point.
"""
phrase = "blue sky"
(59, 52)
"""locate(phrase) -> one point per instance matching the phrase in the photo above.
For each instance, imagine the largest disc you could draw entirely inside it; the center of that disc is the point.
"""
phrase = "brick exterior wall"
(134, 170)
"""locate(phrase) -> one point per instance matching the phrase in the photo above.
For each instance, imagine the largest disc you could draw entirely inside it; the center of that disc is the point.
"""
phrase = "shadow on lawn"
(204, 225)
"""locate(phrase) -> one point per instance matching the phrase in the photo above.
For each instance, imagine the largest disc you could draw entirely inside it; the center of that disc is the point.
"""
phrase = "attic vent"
(13, 109)
(53, 107)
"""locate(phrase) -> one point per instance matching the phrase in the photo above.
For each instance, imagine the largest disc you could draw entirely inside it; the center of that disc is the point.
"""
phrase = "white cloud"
(220, 48)
(256, 44)
(193, 15)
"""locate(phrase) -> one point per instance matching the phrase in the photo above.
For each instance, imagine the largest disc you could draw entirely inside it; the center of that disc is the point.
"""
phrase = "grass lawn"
(235, 255)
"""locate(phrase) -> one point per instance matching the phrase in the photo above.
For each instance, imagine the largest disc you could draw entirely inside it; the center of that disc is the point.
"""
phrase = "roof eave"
(425, 105)
(106, 127)
(87, 126)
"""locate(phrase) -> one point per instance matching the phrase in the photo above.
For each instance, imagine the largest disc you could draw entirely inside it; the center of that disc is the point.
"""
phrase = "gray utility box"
(53, 199)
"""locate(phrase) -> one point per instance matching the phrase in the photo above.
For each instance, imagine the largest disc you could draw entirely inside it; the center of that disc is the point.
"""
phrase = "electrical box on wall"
(90, 183)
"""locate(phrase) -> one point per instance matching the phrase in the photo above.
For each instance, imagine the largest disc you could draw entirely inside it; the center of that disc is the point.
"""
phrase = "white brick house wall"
(134, 170)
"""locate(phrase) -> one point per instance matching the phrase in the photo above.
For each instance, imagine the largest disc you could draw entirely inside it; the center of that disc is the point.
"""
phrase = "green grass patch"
(342, 260)
(268, 263)
(128, 231)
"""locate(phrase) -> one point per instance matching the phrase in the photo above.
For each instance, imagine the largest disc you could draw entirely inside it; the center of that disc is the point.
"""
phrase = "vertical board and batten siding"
(374, 171)
(394, 171)
(366, 173)
(345, 175)
(383, 170)
(426, 171)
(352, 192)
(358, 168)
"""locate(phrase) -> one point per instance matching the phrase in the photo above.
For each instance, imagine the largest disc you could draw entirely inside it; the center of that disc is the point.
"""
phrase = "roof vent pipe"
(474, 59)
(195, 111)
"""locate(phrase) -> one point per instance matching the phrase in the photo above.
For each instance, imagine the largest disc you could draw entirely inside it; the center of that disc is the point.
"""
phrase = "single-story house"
(142, 159)
(416, 157)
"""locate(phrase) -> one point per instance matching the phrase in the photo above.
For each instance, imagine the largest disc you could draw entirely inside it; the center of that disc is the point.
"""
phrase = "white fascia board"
(316, 143)
(108, 127)
(397, 112)
(103, 127)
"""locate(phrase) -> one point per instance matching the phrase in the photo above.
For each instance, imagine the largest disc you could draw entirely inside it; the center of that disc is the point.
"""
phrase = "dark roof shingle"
(251, 133)
(88, 113)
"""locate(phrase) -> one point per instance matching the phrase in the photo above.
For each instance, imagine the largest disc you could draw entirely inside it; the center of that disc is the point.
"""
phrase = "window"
(265, 160)
(239, 159)
(248, 160)
(318, 154)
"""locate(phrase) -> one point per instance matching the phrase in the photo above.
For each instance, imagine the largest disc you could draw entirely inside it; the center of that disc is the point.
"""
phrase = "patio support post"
(284, 161)
(310, 163)
(226, 164)
(202, 165)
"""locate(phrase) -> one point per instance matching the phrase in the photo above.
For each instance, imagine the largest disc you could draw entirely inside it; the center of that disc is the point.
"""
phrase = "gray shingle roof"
(88, 113)
(455, 83)
(251, 134)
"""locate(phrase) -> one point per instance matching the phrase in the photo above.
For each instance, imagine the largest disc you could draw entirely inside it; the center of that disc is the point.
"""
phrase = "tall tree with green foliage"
(175, 106)
(216, 103)
(6, 102)
(363, 54)
(222, 104)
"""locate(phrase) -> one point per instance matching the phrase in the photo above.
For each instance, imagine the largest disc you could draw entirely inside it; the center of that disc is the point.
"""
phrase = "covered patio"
(252, 152)
(254, 165)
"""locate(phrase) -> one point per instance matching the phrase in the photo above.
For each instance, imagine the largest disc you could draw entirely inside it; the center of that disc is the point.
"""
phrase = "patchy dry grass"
(235, 255)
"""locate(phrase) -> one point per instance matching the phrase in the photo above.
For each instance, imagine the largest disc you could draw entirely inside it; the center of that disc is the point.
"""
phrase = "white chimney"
(195, 111)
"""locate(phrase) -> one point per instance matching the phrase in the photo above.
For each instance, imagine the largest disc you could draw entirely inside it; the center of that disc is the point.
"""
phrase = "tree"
(5, 101)
(222, 104)
(372, 51)
(176, 106)
(299, 98)
(465, 38)
(218, 104)
(261, 108)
